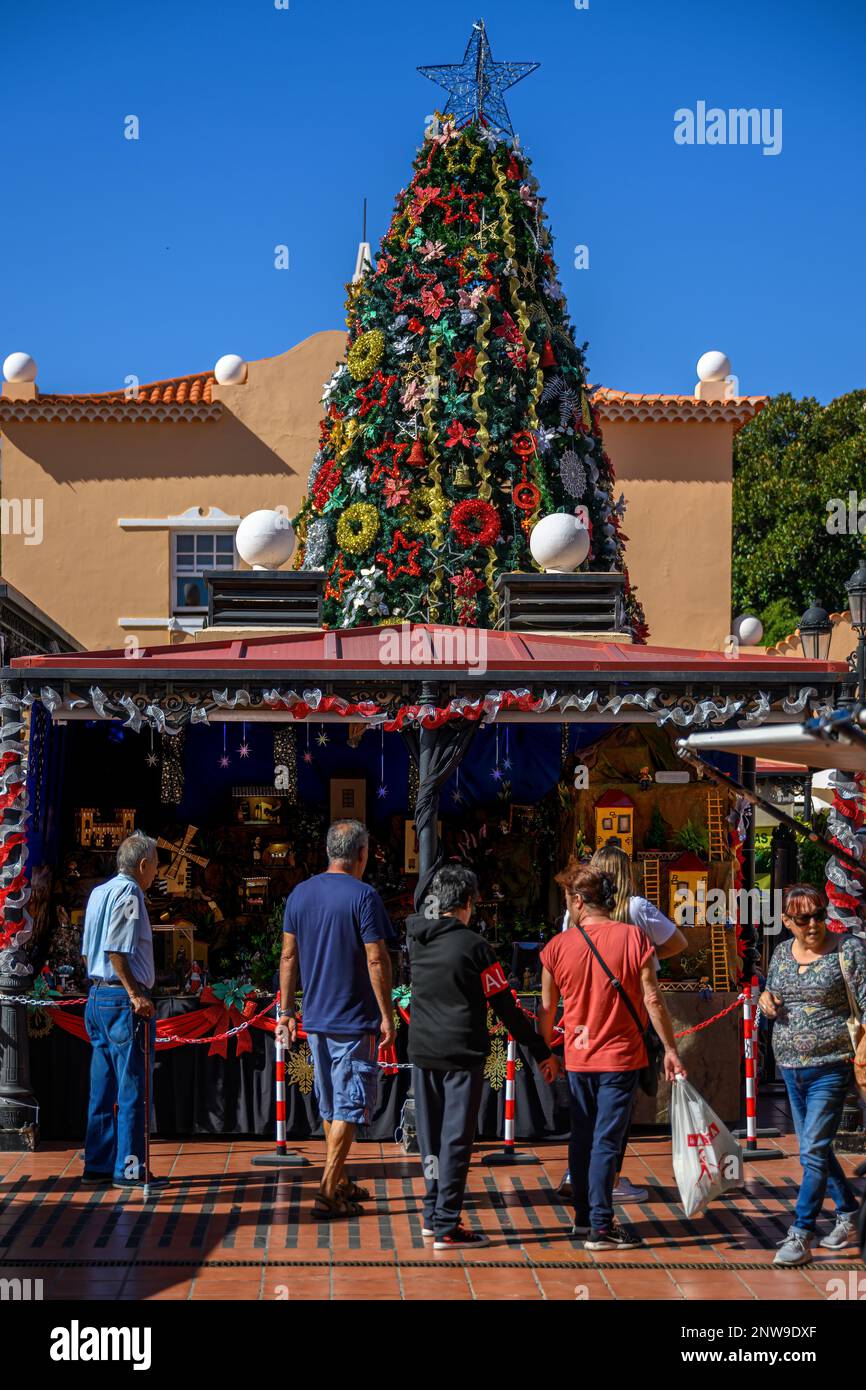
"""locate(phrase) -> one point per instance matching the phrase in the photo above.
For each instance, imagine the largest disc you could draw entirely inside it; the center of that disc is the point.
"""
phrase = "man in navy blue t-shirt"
(336, 928)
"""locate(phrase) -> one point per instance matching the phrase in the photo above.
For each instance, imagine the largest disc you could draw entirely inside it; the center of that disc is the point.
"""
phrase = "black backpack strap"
(617, 984)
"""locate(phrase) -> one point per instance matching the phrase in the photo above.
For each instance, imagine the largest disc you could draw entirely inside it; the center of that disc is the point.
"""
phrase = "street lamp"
(816, 631)
(856, 591)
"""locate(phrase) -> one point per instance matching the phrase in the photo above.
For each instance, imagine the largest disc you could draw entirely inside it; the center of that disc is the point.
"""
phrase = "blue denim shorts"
(345, 1075)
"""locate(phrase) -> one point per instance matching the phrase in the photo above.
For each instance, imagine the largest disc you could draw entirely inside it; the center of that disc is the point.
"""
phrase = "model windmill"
(176, 878)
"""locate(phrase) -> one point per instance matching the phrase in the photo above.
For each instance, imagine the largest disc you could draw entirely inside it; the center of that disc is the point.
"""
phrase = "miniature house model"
(688, 891)
(614, 820)
(96, 834)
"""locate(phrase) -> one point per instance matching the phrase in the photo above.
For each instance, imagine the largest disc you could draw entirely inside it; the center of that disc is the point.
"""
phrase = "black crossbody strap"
(617, 984)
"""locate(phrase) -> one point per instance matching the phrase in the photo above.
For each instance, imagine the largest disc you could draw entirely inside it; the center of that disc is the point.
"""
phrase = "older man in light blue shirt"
(118, 949)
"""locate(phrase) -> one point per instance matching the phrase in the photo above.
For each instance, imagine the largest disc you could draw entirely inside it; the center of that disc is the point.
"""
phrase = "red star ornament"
(411, 549)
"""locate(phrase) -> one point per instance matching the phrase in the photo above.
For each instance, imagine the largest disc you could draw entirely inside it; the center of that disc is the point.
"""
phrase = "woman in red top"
(604, 1047)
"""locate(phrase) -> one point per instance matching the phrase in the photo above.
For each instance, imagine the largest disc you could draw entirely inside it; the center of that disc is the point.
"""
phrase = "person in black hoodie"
(455, 978)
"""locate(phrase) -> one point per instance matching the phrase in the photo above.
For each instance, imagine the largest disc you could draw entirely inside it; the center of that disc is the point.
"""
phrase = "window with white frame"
(194, 553)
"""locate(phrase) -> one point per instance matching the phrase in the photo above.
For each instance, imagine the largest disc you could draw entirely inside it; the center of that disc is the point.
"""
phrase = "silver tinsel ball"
(317, 543)
(573, 474)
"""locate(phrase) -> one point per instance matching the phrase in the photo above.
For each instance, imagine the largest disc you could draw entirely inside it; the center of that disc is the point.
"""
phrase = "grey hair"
(134, 848)
(453, 886)
(346, 839)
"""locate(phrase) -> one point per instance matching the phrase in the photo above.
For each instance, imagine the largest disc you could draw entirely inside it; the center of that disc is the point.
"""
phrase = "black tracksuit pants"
(446, 1117)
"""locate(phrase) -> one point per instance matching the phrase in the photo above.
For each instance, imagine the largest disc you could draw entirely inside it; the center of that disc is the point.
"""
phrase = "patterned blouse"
(811, 1029)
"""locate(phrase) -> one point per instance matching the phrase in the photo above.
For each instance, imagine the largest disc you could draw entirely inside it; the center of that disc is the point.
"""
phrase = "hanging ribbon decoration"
(14, 887)
(846, 827)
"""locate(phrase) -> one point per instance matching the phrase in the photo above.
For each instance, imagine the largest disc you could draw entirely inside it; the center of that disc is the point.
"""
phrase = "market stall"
(236, 755)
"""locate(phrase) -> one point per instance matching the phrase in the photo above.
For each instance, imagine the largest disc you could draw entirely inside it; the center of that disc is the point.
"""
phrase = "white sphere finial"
(559, 543)
(230, 370)
(18, 367)
(748, 630)
(713, 366)
(265, 539)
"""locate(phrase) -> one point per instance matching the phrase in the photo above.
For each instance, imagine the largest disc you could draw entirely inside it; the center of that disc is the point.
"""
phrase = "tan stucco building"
(114, 503)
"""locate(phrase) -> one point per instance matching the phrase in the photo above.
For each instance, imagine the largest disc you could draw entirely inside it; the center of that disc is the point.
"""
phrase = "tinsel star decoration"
(475, 87)
(382, 792)
(151, 760)
(308, 757)
(321, 738)
(225, 761)
(244, 750)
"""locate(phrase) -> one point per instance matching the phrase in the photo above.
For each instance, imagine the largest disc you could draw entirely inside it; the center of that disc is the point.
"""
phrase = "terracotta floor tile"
(627, 1284)
(504, 1284)
(435, 1284)
(301, 1285)
(784, 1284)
(222, 1217)
(365, 1283)
(575, 1285)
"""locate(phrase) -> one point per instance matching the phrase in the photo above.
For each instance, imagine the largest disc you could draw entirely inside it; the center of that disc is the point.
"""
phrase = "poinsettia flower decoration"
(434, 300)
(396, 491)
(422, 200)
(413, 396)
(459, 434)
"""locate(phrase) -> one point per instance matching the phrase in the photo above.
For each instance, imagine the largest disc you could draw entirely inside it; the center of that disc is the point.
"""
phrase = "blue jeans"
(115, 1143)
(817, 1096)
(600, 1104)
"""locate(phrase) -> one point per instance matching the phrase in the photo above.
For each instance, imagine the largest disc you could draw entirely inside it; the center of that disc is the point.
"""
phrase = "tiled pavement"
(224, 1229)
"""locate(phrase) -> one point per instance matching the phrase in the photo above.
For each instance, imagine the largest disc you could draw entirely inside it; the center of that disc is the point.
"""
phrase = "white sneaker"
(795, 1249)
(842, 1233)
(425, 1231)
(626, 1191)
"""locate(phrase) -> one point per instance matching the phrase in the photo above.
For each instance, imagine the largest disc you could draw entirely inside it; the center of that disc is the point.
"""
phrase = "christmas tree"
(461, 415)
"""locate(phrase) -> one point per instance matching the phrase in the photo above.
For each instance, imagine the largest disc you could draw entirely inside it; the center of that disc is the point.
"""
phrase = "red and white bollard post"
(284, 1156)
(751, 1152)
(509, 1153)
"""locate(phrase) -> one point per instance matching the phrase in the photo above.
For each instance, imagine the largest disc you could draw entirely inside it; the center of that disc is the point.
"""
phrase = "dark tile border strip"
(524, 1263)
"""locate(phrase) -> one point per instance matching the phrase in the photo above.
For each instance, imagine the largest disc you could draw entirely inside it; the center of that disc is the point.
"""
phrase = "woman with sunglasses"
(812, 981)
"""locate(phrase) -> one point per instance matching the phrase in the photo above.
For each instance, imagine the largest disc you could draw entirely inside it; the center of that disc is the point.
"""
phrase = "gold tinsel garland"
(435, 473)
(357, 528)
(425, 500)
(522, 320)
(366, 353)
(485, 489)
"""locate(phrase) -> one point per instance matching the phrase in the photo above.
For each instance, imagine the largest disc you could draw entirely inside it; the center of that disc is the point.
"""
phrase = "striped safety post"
(508, 1153)
(751, 1152)
(284, 1157)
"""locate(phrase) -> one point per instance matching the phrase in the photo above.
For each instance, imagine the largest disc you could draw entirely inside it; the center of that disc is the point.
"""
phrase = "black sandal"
(347, 1187)
(336, 1208)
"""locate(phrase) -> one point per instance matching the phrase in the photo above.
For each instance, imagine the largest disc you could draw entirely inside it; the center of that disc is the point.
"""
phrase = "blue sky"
(261, 126)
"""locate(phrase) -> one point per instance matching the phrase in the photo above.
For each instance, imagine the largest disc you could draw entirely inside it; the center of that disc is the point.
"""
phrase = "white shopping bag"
(707, 1159)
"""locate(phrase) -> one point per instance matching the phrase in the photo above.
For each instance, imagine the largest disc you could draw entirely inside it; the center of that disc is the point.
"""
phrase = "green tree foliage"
(789, 462)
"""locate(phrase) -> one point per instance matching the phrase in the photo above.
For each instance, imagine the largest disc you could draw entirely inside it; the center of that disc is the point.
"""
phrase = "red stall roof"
(391, 652)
